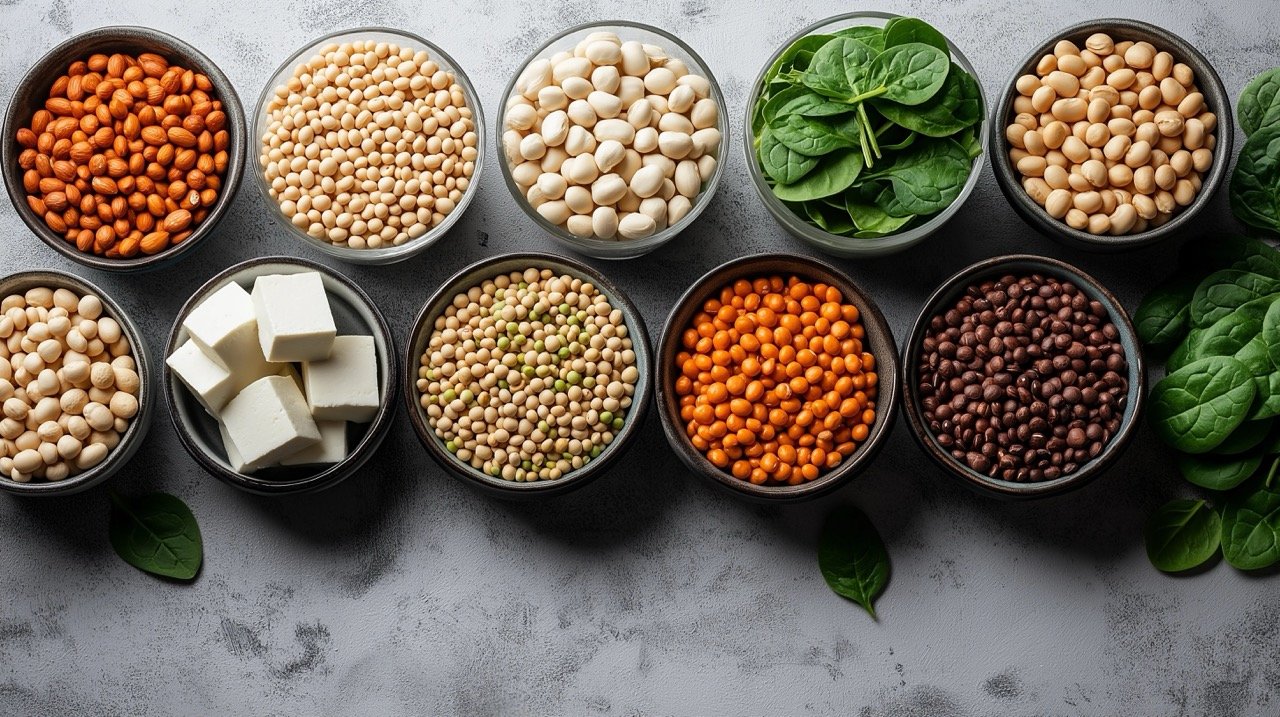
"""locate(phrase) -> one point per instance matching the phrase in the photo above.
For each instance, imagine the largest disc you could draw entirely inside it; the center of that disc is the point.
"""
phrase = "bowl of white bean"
(1114, 134)
(392, 163)
(612, 138)
(77, 400)
(528, 375)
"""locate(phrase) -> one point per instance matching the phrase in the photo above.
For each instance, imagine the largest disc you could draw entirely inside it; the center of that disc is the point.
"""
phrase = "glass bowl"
(835, 244)
(383, 255)
(676, 48)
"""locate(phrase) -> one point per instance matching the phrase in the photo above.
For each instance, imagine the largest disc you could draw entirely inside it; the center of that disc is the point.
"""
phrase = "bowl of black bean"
(1023, 377)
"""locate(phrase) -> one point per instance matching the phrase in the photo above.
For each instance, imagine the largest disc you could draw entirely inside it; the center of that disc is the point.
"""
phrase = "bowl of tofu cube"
(278, 373)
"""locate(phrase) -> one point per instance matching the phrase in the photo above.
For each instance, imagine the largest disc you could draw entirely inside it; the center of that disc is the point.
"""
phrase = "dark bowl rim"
(1089, 471)
(120, 456)
(1210, 84)
(576, 478)
(886, 362)
(331, 475)
(42, 73)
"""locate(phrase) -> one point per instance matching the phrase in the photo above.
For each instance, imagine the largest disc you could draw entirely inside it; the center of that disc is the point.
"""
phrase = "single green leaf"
(798, 55)
(1255, 182)
(1251, 530)
(780, 162)
(853, 558)
(1259, 103)
(957, 105)
(1248, 436)
(871, 218)
(1271, 332)
(814, 137)
(834, 173)
(1222, 292)
(928, 176)
(769, 113)
(888, 203)
(828, 219)
(902, 30)
(907, 74)
(827, 74)
(156, 533)
(811, 104)
(872, 37)
(1218, 472)
(1162, 318)
(1196, 408)
(1182, 534)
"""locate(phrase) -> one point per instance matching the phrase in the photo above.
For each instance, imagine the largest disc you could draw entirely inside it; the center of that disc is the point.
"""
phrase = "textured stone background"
(402, 591)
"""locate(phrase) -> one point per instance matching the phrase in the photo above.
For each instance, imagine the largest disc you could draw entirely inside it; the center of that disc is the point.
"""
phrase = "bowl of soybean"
(469, 285)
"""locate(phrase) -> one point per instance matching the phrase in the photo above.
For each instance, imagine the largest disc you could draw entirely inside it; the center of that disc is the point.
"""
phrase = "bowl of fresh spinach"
(865, 133)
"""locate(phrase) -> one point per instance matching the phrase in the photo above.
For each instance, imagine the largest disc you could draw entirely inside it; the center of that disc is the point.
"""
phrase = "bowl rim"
(817, 237)
(886, 360)
(47, 68)
(574, 479)
(1209, 82)
(948, 290)
(383, 255)
(331, 474)
(602, 248)
(139, 426)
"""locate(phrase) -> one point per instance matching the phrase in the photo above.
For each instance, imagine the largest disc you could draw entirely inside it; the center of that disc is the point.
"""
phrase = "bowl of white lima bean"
(369, 142)
(612, 138)
(74, 385)
(1114, 134)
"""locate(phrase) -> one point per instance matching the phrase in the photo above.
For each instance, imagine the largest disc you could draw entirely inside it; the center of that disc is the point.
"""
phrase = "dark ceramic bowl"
(944, 297)
(879, 341)
(355, 314)
(34, 88)
(1216, 100)
(420, 335)
(141, 423)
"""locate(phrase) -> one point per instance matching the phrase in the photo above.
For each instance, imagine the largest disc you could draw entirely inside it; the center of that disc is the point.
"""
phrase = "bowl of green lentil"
(530, 375)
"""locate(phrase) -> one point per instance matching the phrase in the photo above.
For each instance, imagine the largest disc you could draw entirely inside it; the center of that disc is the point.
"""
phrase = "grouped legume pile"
(528, 376)
(369, 144)
(126, 156)
(1023, 378)
(68, 384)
(611, 139)
(869, 131)
(776, 385)
(1113, 138)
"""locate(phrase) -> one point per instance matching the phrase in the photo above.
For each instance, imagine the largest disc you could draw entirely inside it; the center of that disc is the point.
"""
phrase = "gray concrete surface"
(404, 592)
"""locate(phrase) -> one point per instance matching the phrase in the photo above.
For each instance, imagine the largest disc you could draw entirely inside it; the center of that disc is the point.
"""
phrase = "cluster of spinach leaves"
(1219, 403)
(868, 131)
(1255, 183)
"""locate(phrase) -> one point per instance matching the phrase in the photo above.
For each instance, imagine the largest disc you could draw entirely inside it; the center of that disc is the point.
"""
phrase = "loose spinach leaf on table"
(1251, 530)
(1238, 334)
(1162, 318)
(1195, 408)
(834, 174)
(1259, 103)
(1255, 183)
(1218, 472)
(957, 105)
(156, 533)
(1182, 534)
(853, 558)
(1222, 292)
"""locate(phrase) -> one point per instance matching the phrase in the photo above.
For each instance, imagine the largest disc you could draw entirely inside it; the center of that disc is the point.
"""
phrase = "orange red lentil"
(775, 384)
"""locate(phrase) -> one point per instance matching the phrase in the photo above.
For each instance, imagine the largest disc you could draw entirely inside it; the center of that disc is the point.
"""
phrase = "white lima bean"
(50, 415)
(529, 375)
(371, 145)
(612, 108)
(1140, 137)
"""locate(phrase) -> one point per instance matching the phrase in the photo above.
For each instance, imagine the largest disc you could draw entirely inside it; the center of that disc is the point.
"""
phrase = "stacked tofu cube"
(270, 367)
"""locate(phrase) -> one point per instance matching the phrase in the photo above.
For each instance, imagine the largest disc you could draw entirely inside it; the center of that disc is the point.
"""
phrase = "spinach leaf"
(1222, 292)
(1255, 357)
(1239, 335)
(968, 138)
(902, 30)
(1251, 530)
(1182, 534)
(904, 140)
(156, 533)
(1216, 472)
(957, 105)
(779, 162)
(826, 74)
(1162, 317)
(872, 37)
(1259, 103)
(852, 557)
(834, 173)
(828, 218)
(769, 113)
(811, 104)
(1271, 332)
(814, 137)
(1195, 408)
(907, 74)
(871, 218)
(798, 56)
(888, 202)
(928, 176)
(1248, 436)
(1255, 183)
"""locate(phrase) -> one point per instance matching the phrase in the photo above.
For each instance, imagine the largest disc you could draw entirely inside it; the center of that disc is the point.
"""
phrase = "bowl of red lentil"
(1023, 377)
(777, 378)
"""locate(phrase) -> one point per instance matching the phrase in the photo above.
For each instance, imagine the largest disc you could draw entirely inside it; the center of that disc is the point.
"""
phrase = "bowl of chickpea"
(777, 378)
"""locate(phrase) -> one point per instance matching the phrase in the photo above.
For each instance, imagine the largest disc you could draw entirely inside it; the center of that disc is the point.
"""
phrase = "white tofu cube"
(211, 383)
(233, 454)
(332, 447)
(269, 420)
(344, 387)
(225, 328)
(295, 322)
